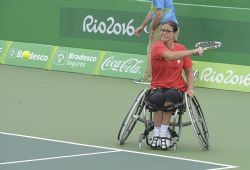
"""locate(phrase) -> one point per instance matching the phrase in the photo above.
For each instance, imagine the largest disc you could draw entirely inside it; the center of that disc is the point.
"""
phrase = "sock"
(156, 131)
(164, 131)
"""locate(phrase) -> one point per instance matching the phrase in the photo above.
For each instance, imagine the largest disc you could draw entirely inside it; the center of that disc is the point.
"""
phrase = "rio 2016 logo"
(110, 26)
(209, 75)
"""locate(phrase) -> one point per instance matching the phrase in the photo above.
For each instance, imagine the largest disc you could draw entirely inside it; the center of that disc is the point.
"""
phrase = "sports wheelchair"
(139, 111)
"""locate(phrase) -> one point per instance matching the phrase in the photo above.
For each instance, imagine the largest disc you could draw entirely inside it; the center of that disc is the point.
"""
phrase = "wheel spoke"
(198, 121)
(132, 117)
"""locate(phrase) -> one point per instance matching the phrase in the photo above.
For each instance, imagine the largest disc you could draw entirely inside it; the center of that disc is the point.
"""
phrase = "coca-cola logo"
(131, 65)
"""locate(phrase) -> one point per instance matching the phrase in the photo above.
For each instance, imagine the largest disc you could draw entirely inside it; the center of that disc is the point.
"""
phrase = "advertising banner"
(223, 76)
(1, 46)
(96, 62)
(99, 24)
(113, 64)
(36, 55)
(121, 65)
(75, 60)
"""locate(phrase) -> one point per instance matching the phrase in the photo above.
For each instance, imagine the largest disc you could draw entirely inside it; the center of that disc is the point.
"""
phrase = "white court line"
(207, 6)
(211, 6)
(57, 157)
(121, 150)
(224, 168)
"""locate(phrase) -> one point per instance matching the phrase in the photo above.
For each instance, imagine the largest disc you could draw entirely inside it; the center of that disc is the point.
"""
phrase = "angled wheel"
(132, 116)
(198, 121)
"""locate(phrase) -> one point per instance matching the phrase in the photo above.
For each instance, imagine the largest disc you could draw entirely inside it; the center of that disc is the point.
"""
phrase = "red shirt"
(168, 73)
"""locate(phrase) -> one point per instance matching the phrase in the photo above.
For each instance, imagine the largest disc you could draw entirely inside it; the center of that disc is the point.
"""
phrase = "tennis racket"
(205, 45)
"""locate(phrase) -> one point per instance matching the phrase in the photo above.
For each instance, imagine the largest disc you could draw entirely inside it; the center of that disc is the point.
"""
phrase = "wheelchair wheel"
(198, 121)
(132, 116)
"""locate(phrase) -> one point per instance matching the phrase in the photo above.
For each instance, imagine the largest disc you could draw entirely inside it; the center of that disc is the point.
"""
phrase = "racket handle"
(197, 53)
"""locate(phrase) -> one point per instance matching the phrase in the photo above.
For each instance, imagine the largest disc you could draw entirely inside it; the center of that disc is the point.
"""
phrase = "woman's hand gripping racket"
(205, 45)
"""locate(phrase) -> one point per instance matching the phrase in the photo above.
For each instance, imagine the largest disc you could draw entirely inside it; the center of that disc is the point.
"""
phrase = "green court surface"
(50, 107)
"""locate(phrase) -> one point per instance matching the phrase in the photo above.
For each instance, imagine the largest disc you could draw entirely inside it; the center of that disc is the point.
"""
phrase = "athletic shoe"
(165, 142)
(155, 142)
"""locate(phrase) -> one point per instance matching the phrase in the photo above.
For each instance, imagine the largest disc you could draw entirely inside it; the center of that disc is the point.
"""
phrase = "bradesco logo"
(13, 53)
(229, 77)
(130, 65)
(17, 53)
(70, 59)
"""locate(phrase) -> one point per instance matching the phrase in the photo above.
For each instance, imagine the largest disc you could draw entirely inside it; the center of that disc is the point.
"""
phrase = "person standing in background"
(160, 12)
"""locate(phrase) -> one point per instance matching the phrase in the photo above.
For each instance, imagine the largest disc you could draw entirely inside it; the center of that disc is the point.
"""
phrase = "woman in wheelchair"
(168, 59)
(169, 96)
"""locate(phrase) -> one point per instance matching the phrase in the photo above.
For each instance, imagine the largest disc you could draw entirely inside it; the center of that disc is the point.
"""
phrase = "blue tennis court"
(20, 152)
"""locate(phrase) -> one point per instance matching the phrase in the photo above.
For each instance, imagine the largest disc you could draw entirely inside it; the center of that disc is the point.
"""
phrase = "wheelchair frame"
(139, 112)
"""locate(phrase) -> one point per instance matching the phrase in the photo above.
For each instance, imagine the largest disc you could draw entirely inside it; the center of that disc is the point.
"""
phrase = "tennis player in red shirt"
(168, 60)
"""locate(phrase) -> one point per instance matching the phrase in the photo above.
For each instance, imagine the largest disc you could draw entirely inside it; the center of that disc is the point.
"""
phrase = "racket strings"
(209, 44)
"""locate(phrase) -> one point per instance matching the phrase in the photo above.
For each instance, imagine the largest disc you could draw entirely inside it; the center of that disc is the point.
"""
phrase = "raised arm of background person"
(146, 21)
(176, 55)
(190, 81)
(157, 19)
(155, 23)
